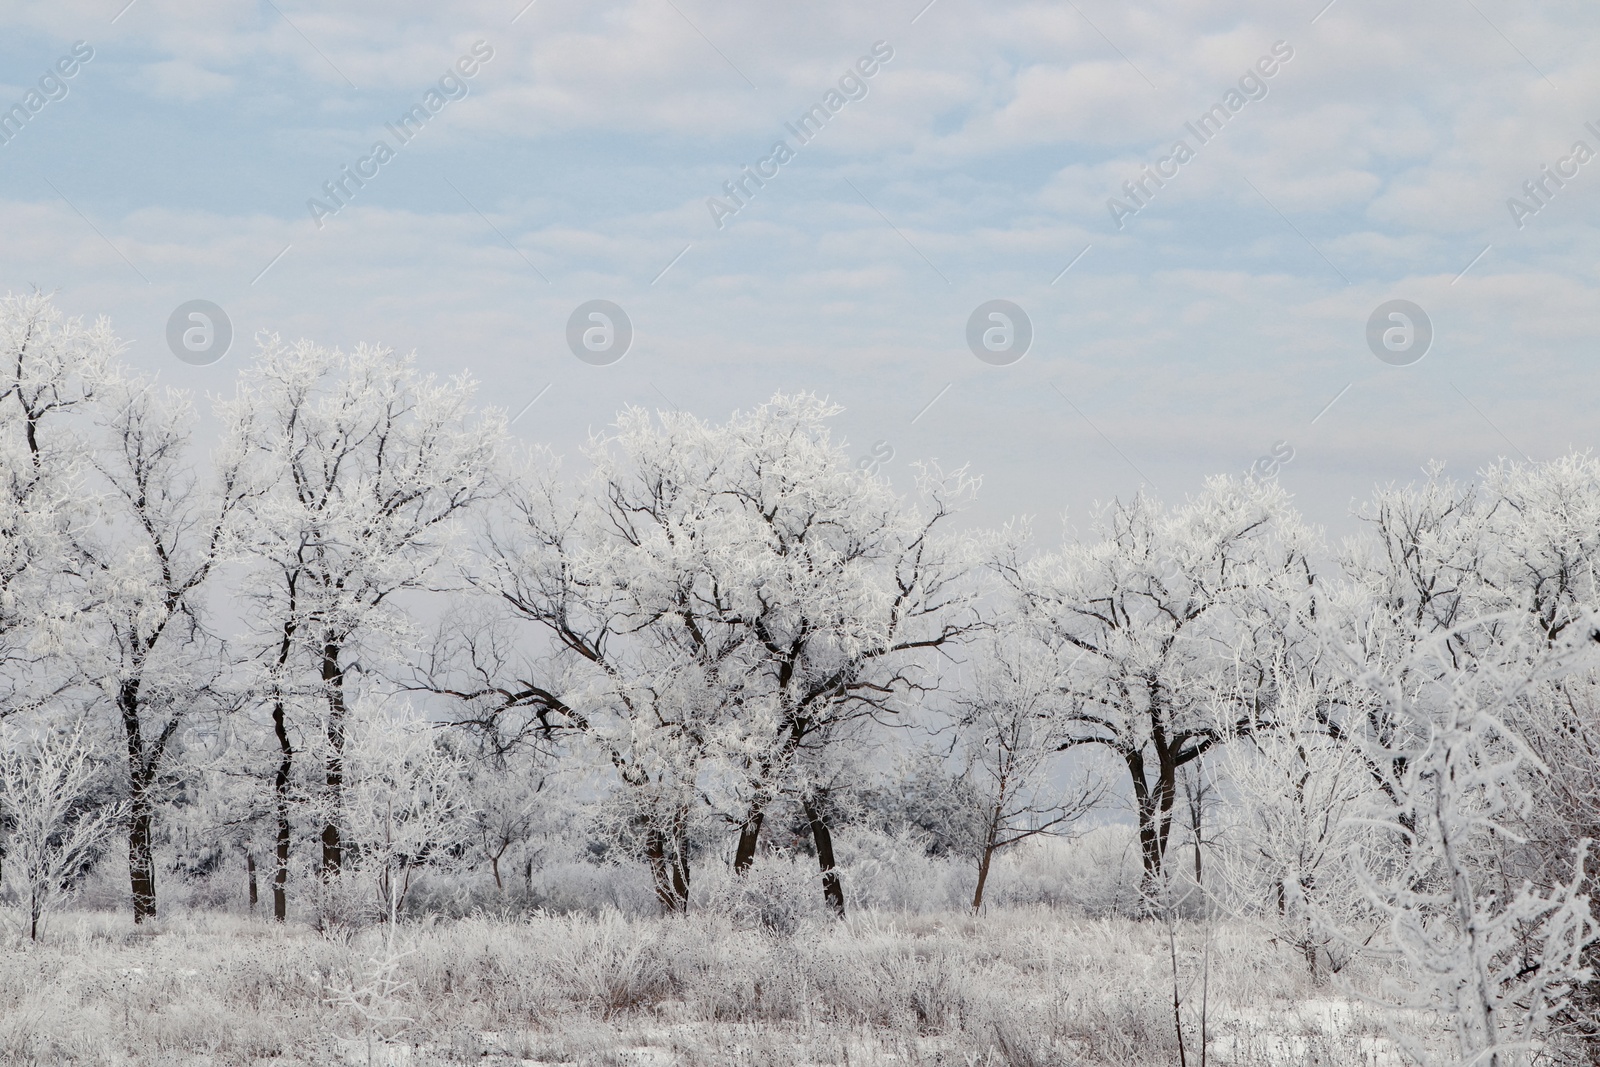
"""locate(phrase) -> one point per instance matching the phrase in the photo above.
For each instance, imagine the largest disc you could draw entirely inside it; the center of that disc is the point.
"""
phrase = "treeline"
(368, 634)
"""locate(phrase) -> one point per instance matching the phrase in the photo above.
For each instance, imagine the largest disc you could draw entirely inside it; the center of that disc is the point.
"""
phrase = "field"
(1017, 986)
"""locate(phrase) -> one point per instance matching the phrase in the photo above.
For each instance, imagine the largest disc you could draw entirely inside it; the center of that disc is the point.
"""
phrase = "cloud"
(1208, 327)
(181, 80)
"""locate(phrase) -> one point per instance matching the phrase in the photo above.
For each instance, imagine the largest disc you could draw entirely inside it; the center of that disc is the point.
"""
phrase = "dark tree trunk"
(250, 870)
(989, 849)
(678, 858)
(1197, 823)
(1154, 807)
(832, 889)
(749, 834)
(983, 876)
(744, 854)
(141, 864)
(280, 781)
(333, 683)
(280, 795)
(494, 866)
(1145, 809)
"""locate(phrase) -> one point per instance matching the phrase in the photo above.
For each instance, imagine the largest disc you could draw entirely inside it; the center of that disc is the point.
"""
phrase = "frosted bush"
(1097, 872)
(895, 872)
(778, 892)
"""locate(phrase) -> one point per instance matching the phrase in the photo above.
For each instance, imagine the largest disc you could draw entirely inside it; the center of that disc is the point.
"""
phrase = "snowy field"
(1019, 986)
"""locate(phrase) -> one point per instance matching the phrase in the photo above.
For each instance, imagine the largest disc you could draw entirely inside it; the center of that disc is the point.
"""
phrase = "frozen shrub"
(897, 872)
(1096, 872)
(778, 892)
(53, 831)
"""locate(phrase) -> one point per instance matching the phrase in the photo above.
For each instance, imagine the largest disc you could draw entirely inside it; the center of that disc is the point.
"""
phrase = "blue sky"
(1219, 320)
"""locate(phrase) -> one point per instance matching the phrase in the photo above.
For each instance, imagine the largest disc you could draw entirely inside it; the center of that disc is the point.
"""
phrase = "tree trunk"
(280, 794)
(745, 853)
(832, 889)
(333, 683)
(987, 857)
(141, 865)
(1196, 796)
(1144, 808)
(250, 871)
(983, 876)
(678, 859)
(668, 873)
(280, 781)
(1154, 809)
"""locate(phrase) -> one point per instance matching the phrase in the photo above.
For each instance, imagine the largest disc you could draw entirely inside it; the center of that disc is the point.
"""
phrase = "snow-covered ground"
(1028, 986)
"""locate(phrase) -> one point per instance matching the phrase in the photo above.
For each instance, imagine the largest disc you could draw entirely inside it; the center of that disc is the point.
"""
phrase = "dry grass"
(1017, 987)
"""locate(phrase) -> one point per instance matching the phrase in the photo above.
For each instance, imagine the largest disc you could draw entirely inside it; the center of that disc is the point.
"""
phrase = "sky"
(562, 152)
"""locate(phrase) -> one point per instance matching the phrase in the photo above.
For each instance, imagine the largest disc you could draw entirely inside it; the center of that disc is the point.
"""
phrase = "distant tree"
(1288, 829)
(143, 573)
(727, 607)
(1164, 629)
(502, 792)
(360, 465)
(1010, 737)
(51, 367)
(406, 807)
(930, 793)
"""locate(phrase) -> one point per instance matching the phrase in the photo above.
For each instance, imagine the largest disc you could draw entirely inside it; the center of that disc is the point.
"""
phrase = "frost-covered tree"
(52, 830)
(1010, 737)
(1546, 529)
(405, 805)
(1287, 829)
(506, 809)
(1165, 627)
(360, 465)
(1425, 556)
(1518, 550)
(50, 369)
(142, 572)
(727, 607)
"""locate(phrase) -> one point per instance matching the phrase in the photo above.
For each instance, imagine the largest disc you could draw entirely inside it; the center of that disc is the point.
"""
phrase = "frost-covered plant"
(51, 369)
(52, 830)
(730, 607)
(1010, 737)
(405, 809)
(377, 992)
(777, 892)
(360, 466)
(1164, 626)
(1498, 960)
(1285, 837)
(503, 793)
(140, 638)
